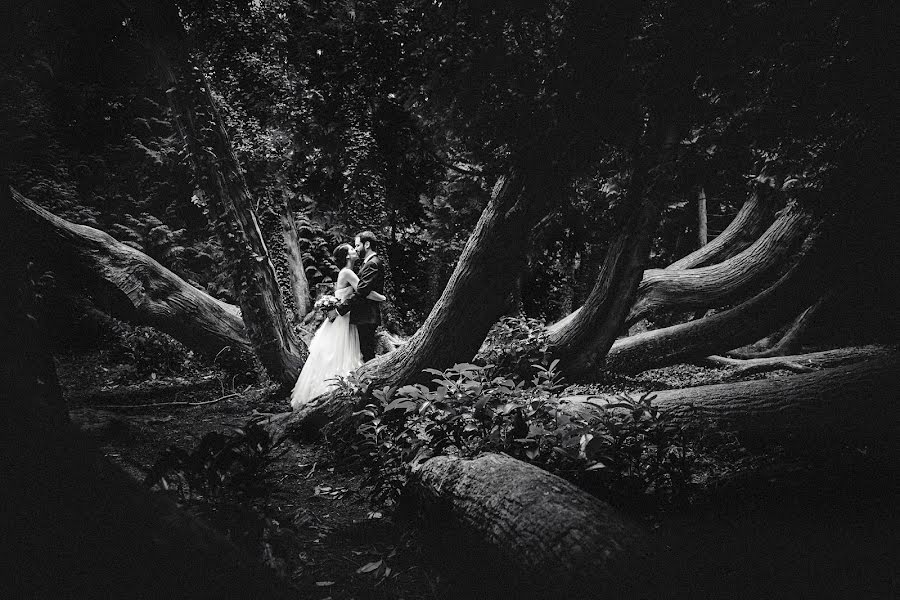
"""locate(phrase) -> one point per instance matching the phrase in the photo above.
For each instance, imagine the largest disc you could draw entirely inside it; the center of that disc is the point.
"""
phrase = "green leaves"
(623, 451)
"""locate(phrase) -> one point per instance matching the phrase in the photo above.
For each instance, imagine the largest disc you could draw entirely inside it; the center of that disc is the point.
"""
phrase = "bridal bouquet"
(326, 302)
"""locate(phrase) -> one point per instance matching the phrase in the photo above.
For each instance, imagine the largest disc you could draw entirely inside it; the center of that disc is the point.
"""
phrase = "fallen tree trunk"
(747, 226)
(722, 331)
(714, 285)
(799, 363)
(549, 538)
(133, 287)
(789, 340)
(849, 403)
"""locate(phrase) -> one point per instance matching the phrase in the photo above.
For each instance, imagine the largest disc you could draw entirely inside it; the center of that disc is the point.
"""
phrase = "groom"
(365, 313)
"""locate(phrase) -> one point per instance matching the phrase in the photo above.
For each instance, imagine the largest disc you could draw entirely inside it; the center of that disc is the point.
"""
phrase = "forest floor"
(828, 528)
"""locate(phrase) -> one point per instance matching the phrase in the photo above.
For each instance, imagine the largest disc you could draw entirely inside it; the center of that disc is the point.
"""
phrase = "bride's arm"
(353, 279)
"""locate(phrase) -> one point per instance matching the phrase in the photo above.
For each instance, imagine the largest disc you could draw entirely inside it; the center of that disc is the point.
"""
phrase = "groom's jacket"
(371, 278)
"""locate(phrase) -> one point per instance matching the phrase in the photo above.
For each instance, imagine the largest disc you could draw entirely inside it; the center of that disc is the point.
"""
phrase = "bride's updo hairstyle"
(340, 255)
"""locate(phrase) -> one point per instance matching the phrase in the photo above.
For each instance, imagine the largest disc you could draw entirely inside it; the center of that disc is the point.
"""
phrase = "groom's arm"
(369, 277)
(344, 305)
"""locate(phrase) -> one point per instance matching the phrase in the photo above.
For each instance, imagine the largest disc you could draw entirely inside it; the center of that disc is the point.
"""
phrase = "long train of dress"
(333, 352)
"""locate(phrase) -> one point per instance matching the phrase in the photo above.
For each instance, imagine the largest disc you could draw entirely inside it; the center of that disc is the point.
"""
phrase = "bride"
(334, 350)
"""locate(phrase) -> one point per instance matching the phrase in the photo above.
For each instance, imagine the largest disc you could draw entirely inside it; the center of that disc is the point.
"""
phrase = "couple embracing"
(346, 339)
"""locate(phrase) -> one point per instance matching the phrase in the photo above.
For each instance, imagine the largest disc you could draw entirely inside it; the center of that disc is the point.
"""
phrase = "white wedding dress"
(333, 352)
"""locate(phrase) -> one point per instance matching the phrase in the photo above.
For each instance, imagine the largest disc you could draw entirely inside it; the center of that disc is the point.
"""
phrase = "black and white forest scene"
(435, 300)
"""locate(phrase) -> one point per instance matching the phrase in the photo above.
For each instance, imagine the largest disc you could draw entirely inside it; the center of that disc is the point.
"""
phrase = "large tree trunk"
(850, 403)
(586, 275)
(722, 331)
(300, 292)
(134, 287)
(717, 284)
(747, 225)
(582, 339)
(219, 175)
(549, 539)
(280, 234)
(476, 294)
(73, 525)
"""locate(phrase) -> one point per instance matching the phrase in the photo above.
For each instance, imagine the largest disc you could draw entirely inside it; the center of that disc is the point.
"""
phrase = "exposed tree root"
(799, 363)
(855, 402)
(790, 340)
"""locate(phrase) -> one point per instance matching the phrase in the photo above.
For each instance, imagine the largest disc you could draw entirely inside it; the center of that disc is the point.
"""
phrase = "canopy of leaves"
(399, 116)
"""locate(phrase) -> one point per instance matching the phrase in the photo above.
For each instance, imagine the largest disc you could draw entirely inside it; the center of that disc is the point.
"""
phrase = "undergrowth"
(622, 449)
(228, 480)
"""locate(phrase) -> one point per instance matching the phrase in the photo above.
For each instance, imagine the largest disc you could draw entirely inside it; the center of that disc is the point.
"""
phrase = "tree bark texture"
(133, 287)
(717, 284)
(702, 232)
(581, 340)
(476, 294)
(299, 284)
(591, 260)
(548, 537)
(219, 176)
(800, 363)
(718, 333)
(280, 235)
(849, 403)
(753, 218)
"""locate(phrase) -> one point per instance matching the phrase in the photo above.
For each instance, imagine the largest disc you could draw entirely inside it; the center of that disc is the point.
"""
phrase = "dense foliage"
(625, 451)
(399, 117)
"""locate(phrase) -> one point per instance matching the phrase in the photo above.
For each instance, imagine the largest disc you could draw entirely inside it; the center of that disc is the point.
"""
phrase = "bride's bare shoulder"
(346, 277)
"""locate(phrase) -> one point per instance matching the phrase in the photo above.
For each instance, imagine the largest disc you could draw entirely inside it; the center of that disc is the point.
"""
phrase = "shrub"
(226, 479)
(627, 451)
(149, 351)
(513, 345)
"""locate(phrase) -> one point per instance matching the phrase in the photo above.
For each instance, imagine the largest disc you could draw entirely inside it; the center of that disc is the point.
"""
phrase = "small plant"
(227, 479)
(225, 464)
(148, 351)
(513, 345)
(625, 450)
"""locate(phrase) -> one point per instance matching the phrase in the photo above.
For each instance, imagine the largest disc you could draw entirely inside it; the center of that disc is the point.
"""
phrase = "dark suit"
(365, 313)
